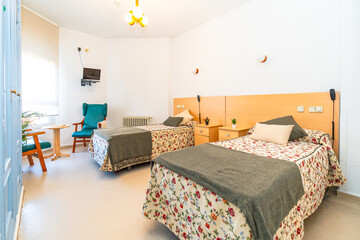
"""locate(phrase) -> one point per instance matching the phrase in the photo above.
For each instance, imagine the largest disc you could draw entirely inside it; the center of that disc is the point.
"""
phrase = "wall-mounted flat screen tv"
(91, 74)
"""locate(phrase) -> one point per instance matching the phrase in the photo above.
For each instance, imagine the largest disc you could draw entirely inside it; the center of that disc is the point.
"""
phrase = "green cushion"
(86, 132)
(30, 145)
(297, 131)
(94, 113)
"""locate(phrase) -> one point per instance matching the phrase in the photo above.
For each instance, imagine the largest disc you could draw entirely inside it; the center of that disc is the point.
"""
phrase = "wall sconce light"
(263, 59)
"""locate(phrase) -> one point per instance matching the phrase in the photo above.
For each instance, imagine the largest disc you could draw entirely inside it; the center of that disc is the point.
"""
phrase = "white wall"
(301, 39)
(138, 79)
(135, 77)
(312, 46)
(350, 85)
(71, 93)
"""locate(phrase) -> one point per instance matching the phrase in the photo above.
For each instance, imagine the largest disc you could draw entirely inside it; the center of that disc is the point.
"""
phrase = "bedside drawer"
(223, 134)
(201, 131)
(201, 139)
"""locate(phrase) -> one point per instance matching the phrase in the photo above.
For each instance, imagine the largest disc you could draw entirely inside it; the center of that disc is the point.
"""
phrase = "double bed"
(193, 211)
(152, 140)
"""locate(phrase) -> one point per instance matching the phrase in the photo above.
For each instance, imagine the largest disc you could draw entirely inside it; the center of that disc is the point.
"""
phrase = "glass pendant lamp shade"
(145, 20)
(128, 18)
(138, 12)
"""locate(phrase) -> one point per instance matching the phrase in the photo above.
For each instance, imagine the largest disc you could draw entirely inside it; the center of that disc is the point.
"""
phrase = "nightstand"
(206, 133)
(226, 133)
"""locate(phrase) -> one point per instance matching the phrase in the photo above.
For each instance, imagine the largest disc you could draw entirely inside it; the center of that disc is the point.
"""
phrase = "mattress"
(191, 211)
(164, 139)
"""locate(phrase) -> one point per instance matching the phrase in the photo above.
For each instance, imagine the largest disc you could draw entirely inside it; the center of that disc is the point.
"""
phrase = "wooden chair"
(94, 117)
(35, 146)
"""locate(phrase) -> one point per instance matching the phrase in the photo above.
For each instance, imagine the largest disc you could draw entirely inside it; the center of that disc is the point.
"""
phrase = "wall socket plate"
(312, 109)
(300, 109)
(178, 106)
(319, 109)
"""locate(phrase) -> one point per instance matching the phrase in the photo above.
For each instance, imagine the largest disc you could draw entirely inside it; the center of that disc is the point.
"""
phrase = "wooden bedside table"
(226, 133)
(206, 133)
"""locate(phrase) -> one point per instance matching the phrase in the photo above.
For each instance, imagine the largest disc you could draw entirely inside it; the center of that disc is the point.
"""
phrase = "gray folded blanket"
(265, 189)
(126, 142)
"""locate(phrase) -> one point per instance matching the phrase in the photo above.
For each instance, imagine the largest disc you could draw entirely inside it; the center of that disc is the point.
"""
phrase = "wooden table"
(56, 142)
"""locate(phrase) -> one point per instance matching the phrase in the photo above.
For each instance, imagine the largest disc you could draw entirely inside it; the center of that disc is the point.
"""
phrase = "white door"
(10, 116)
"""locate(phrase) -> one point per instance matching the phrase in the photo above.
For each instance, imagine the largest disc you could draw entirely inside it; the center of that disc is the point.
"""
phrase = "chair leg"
(74, 145)
(42, 161)
(84, 142)
(31, 161)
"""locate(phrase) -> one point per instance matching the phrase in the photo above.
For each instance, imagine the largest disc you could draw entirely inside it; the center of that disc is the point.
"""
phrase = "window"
(40, 53)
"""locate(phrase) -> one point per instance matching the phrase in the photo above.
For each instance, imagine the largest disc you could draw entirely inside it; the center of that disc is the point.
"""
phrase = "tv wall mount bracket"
(87, 82)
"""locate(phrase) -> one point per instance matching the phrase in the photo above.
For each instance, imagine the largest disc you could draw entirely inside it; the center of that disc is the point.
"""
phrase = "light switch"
(183, 106)
(300, 109)
(312, 109)
(319, 109)
(178, 106)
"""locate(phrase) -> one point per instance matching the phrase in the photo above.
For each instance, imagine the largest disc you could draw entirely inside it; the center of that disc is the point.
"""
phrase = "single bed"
(194, 212)
(163, 139)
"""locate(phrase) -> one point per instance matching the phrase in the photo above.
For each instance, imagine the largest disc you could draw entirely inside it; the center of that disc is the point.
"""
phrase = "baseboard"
(50, 150)
(349, 196)
(18, 216)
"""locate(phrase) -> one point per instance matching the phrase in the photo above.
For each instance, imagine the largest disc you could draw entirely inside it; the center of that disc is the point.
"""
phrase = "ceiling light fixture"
(136, 15)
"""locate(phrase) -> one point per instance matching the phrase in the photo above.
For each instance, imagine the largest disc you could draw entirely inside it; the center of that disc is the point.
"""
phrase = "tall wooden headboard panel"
(211, 107)
(248, 110)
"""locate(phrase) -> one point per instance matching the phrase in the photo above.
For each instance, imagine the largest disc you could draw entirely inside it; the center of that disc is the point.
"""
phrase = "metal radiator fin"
(130, 121)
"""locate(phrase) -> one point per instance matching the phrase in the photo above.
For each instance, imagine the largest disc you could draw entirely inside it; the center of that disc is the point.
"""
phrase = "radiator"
(130, 121)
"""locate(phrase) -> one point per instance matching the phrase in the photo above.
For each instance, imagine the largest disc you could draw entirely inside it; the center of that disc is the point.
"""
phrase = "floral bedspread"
(164, 139)
(193, 212)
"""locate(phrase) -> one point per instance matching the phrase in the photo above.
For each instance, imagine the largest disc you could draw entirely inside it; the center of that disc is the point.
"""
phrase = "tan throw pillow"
(187, 117)
(278, 134)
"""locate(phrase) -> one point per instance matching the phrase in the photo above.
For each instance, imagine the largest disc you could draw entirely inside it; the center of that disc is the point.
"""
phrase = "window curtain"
(40, 53)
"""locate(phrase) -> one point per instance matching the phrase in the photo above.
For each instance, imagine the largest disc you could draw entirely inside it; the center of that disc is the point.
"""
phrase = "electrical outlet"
(300, 109)
(183, 106)
(178, 106)
(312, 109)
(319, 109)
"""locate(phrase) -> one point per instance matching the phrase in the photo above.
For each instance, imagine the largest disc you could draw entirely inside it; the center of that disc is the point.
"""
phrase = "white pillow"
(278, 134)
(187, 117)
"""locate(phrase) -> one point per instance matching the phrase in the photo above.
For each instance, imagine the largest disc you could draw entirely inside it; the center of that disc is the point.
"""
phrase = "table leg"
(56, 143)
(54, 147)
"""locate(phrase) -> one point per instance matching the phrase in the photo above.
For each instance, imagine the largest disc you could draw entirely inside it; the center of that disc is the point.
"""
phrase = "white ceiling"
(167, 18)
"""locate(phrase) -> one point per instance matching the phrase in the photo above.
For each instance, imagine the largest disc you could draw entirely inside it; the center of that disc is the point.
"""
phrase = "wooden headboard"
(211, 107)
(250, 109)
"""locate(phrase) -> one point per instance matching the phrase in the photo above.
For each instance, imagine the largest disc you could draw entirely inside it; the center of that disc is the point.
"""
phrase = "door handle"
(18, 94)
(13, 91)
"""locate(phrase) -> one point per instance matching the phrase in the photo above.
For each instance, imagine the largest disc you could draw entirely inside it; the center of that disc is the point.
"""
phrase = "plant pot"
(206, 122)
(234, 126)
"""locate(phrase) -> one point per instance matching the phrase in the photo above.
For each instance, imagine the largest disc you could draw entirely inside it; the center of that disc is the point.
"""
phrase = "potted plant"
(26, 119)
(233, 121)
(207, 120)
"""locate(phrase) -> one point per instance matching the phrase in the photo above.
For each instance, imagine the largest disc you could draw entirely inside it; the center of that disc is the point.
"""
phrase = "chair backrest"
(94, 113)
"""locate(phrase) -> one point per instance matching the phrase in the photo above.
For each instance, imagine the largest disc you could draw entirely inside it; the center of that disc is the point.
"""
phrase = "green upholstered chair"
(94, 117)
(34, 146)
